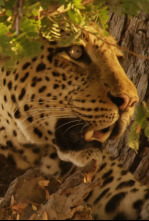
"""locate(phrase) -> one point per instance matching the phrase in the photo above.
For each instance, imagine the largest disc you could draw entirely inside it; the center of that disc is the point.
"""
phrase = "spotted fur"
(50, 102)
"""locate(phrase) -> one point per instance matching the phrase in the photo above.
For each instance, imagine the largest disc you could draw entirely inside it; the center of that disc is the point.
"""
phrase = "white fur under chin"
(81, 158)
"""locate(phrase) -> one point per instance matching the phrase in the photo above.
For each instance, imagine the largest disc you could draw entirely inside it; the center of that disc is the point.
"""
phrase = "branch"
(31, 196)
(18, 13)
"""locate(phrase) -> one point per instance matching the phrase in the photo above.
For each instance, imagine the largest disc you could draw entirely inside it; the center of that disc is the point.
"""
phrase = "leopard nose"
(123, 101)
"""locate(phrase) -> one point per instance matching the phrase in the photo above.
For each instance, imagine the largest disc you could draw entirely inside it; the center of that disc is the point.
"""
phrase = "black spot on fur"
(26, 107)
(106, 175)
(101, 195)
(4, 82)
(107, 181)
(22, 94)
(120, 216)
(124, 172)
(13, 98)
(47, 78)
(14, 133)
(8, 73)
(10, 85)
(102, 167)
(32, 97)
(56, 86)
(16, 77)
(126, 184)
(41, 67)
(9, 115)
(26, 65)
(42, 89)
(50, 58)
(38, 132)
(34, 59)
(30, 118)
(25, 77)
(64, 77)
(120, 165)
(89, 196)
(5, 98)
(55, 74)
(50, 132)
(17, 114)
(114, 202)
(138, 205)
(134, 190)
(33, 84)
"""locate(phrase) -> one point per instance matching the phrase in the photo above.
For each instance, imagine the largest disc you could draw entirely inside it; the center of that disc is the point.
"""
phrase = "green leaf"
(78, 4)
(28, 47)
(30, 27)
(143, 122)
(133, 140)
(3, 29)
(140, 113)
(75, 16)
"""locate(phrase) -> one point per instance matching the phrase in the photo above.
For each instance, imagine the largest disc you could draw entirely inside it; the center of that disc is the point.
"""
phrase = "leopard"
(57, 109)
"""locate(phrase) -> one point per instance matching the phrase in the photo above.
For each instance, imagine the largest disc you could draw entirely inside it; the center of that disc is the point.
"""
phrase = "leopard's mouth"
(112, 132)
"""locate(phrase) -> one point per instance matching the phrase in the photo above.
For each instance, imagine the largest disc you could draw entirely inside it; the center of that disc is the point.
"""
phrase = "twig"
(18, 13)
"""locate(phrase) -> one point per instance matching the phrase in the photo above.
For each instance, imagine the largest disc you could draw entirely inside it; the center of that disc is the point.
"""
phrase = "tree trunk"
(133, 34)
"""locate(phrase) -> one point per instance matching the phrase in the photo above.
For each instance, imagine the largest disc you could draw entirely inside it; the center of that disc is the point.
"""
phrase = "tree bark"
(133, 34)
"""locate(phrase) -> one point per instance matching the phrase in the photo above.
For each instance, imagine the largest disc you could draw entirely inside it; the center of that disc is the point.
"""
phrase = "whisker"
(86, 125)
(36, 113)
(67, 124)
(48, 117)
(72, 127)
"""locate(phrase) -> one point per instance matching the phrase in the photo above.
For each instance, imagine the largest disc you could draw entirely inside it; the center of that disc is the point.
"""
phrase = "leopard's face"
(102, 100)
(72, 95)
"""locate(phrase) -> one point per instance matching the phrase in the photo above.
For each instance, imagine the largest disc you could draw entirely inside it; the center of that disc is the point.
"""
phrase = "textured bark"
(133, 34)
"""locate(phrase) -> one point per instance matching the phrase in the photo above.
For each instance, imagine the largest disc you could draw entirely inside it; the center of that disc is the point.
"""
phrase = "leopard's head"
(75, 96)
(102, 98)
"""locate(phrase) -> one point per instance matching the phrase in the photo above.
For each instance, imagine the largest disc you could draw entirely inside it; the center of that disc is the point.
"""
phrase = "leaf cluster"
(23, 22)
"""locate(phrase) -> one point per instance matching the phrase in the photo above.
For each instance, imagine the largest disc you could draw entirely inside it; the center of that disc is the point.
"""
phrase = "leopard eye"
(75, 52)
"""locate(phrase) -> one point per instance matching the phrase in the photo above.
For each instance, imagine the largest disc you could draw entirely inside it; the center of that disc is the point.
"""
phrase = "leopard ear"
(115, 47)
